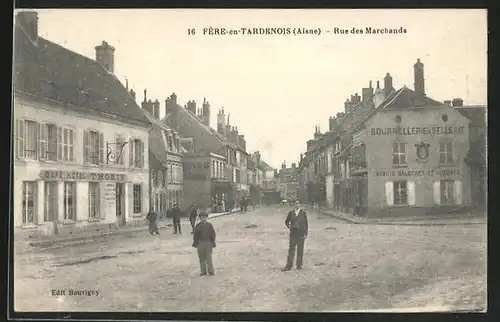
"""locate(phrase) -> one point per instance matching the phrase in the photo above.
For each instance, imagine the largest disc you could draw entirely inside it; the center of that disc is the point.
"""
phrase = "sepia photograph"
(249, 160)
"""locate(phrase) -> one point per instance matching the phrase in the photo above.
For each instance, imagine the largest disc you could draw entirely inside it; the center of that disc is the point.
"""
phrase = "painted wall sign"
(422, 151)
(418, 130)
(440, 172)
(80, 176)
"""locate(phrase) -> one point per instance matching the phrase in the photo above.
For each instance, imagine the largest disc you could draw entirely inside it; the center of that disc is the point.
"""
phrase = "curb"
(402, 223)
(48, 243)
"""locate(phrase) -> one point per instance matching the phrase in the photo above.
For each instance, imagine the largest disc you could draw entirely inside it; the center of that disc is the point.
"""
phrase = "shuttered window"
(399, 154)
(400, 193)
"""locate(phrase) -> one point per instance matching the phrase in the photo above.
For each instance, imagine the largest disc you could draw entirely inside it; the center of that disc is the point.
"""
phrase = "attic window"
(398, 118)
(444, 117)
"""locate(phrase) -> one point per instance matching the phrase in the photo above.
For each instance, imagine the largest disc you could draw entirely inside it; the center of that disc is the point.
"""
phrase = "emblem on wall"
(115, 150)
(422, 151)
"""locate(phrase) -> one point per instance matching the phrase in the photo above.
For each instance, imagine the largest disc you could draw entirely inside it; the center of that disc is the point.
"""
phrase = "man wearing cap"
(176, 217)
(296, 222)
(192, 217)
(204, 241)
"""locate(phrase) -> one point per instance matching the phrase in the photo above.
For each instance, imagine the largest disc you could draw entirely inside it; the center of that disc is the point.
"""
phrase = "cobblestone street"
(346, 267)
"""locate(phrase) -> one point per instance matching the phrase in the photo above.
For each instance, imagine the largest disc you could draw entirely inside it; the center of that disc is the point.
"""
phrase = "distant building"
(288, 183)
(165, 163)
(80, 140)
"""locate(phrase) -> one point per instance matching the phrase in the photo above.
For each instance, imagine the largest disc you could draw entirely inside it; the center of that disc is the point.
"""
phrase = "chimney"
(356, 99)
(309, 144)
(221, 120)
(171, 108)
(235, 135)
(293, 165)
(367, 93)
(447, 102)
(283, 165)
(388, 84)
(147, 105)
(105, 55)
(191, 107)
(331, 123)
(206, 112)
(156, 109)
(457, 102)
(228, 127)
(132, 93)
(28, 21)
(419, 84)
(317, 132)
(243, 143)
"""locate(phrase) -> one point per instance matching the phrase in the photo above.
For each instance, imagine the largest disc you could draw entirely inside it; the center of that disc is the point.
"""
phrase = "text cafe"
(71, 196)
(419, 188)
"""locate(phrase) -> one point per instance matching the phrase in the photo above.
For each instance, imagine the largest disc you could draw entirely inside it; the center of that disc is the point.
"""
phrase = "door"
(120, 204)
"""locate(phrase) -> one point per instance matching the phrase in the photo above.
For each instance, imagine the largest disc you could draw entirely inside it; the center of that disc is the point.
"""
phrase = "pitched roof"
(265, 166)
(476, 114)
(49, 71)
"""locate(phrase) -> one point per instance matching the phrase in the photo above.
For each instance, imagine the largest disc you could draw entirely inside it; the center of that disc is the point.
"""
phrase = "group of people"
(204, 235)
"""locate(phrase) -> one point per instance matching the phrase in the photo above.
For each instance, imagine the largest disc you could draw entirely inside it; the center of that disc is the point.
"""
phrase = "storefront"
(77, 198)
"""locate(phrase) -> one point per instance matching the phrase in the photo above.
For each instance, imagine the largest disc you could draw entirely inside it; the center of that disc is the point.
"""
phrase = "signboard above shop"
(439, 172)
(418, 130)
(80, 176)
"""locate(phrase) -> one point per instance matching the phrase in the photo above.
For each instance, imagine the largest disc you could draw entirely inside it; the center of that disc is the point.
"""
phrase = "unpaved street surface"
(346, 267)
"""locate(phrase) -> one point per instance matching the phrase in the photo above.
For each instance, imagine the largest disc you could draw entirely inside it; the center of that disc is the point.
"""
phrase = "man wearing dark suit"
(204, 241)
(296, 222)
(176, 218)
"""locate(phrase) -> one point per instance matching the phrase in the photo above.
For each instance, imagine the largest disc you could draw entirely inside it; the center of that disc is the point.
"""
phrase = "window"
(51, 130)
(50, 201)
(400, 193)
(69, 200)
(68, 145)
(447, 192)
(399, 154)
(27, 139)
(93, 146)
(159, 178)
(94, 200)
(137, 207)
(136, 153)
(29, 202)
(446, 153)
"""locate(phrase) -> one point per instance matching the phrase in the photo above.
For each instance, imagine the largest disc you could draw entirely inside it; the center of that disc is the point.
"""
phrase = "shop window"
(50, 201)
(94, 200)
(400, 193)
(137, 202)
(69, 200)
(29, 202)
(447, 192)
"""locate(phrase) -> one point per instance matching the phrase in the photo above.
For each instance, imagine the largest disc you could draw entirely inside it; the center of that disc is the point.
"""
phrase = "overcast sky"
(277, 87)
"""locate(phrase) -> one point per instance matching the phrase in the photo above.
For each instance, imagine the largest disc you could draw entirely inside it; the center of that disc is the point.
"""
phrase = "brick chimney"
(447, 102)
(228, 127)
(191, 107)
(105, 55)
(28, 21)
(418, 70)
(242, 142)
(171, 108)
(221, 122)
(331, 123)
(388, 84)
(317, 132)
(147, 104)
(457, 102)
(156, 109)
(206, 112)
(367, 93)
(132, 93)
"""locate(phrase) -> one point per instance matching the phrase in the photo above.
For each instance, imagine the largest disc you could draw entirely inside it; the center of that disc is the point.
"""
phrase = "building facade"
(80, 141)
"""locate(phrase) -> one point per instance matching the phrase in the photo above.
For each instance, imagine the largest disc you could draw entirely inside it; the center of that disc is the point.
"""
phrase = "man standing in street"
(176, 217)
(192, 217)
(204, 241)
(296, 222)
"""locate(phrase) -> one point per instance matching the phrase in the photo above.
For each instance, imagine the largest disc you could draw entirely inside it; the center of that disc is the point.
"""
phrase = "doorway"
(120, 205)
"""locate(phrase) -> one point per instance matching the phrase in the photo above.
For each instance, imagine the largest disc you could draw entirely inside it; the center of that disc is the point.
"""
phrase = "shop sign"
(439, 172)
(418, 130)
(80, 176)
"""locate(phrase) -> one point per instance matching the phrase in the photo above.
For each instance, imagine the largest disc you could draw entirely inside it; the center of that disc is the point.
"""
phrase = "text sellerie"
(418, 130)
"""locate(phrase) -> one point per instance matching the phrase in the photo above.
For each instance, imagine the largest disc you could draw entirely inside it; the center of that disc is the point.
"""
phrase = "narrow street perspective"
(346, 267)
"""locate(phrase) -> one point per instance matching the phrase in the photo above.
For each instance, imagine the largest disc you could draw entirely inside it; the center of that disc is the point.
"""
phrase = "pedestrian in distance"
(296, 222)
(193, 215)
(152, 218)
(176, 218)
(204, 242)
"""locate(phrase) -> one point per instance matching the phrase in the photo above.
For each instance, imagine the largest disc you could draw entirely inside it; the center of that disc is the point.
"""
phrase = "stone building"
(80, 140)
(165, 162)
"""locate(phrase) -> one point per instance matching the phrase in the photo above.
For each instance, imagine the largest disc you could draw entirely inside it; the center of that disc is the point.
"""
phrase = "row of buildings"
(85, 153)
(397, 151)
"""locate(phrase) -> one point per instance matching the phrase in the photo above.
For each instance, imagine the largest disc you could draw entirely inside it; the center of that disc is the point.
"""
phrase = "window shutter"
(59, 143)
(437, 192)
(389, 193)
(131, 153)
(101, 147)
(72, 145)
(142, 154)
(85, 146)
(42, 141)
(20, 138)
(410, 186)
(458, 192)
